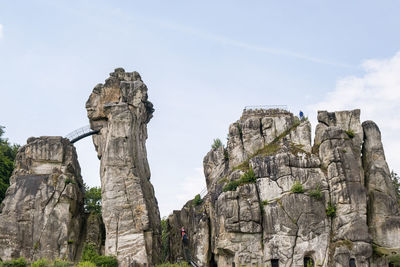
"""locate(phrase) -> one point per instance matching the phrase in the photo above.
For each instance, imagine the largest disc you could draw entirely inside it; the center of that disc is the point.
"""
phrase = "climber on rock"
(301, 115)
(185, 243)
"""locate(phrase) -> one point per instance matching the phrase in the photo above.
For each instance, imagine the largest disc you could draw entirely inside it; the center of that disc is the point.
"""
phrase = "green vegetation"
(297, 149)
(197, 200)
(247, 178)
(7, 157)
(268, 149)
(396, 183)
(395, 260)
(226, 154)
(86, 264)
(61, 263)
(350, 133)
(21, 262)
(90, 255)
(164, 239)
(40, 263)
(244, 166)
(390, 254)
(297, 188)
(69, 181)
(167, 264)
(316, 193)
(93, 199)
(264, 202)
(331, 210)
(217, 143)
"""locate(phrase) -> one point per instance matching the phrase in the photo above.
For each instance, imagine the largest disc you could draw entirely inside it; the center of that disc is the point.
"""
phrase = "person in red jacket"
(185, 243)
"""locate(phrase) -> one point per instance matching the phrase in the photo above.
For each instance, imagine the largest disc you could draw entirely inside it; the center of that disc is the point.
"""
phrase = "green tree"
(396, 182)
(93, 199)
(164, 239)
(7, 157)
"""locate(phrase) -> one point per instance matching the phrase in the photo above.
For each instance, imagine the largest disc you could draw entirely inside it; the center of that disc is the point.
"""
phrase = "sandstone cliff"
(120, 109)
(42, 214)
(275, 199)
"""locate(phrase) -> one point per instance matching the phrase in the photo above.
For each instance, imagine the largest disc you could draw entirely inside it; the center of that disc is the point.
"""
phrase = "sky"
(203, 62)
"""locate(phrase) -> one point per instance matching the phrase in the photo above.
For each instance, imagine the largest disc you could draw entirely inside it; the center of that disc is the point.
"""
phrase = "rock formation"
(42, 213)
(120, 110)
(274, 199)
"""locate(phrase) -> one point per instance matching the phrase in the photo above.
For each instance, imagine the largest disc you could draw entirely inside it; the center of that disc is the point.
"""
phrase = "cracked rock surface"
(344, 208)
(42, 213)
(120, 110)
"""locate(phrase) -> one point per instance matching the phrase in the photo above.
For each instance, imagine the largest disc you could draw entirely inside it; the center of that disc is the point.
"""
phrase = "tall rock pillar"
(120, 109)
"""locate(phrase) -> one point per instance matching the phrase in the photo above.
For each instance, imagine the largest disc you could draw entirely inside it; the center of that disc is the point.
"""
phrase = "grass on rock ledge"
(247, 178)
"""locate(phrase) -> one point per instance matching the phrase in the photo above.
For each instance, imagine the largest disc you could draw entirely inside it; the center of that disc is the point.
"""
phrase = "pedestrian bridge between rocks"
(81, 133)
(86, 131)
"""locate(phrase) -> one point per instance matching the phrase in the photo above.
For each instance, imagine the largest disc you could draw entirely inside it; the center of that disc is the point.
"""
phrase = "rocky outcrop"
(383, 208)
(42, 213)
(273, 198)
(194, 217)
(94, 232)
(120, 110)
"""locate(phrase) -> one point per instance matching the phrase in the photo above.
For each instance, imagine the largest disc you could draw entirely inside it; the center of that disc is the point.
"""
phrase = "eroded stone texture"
(264, 220)
(195, 219)
(42, 213)
(120, 109)
(384, 214)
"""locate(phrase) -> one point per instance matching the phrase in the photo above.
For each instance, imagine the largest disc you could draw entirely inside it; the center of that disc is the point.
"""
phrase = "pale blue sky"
(203, 61)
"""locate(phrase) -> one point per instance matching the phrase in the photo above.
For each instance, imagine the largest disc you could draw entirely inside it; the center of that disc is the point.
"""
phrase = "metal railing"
(81, 133)
(266, 107)
(203, 192)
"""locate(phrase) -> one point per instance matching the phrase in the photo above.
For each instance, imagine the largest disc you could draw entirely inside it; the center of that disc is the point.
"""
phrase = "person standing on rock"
(301, 115)
(185, 244)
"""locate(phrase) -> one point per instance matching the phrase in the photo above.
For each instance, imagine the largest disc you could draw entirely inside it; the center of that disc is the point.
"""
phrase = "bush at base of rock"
(21, 262)
(40, 263)
(90, 254)
(86, 264)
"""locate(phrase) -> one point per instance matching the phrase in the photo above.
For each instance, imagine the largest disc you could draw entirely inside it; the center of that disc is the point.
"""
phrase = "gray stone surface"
(42, 213)
(384, 213)
(260, 221)
(120, 109)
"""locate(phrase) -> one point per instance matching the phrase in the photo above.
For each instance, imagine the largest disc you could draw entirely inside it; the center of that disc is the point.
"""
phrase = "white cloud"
(1, 31)
(377, 94)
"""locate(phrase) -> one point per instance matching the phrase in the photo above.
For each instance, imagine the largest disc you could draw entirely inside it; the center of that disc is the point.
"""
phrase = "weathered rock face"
(94, 232)
(383, 215)
(42, 213)
(196, 222)
(344, 201)
(120, 109)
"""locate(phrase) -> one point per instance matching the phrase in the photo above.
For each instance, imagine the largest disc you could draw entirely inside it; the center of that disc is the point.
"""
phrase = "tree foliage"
(396, 182)
(90, 258)
(7, 157)
(93, 199)
(164, 239)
